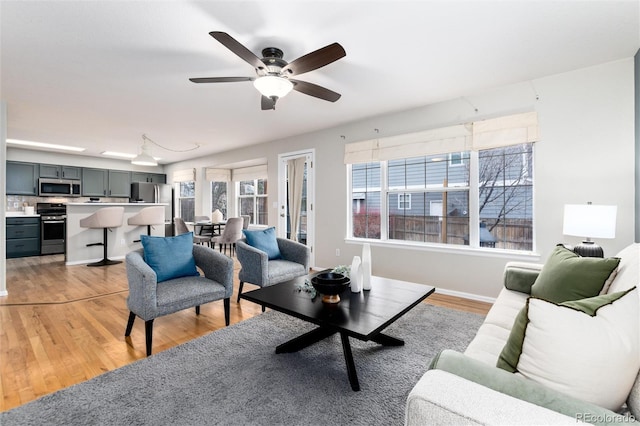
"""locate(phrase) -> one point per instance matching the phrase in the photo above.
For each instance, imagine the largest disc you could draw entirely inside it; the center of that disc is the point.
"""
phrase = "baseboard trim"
(464, 295)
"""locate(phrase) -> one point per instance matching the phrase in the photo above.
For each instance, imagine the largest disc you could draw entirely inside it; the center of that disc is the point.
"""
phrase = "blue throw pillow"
(170, 257)
(264, 240)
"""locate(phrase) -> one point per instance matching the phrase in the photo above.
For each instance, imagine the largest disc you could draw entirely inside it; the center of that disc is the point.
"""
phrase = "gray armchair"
(149, 299)
(257, 269)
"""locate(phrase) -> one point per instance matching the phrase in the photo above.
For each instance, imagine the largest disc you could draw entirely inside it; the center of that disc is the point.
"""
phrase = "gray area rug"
(233, 377)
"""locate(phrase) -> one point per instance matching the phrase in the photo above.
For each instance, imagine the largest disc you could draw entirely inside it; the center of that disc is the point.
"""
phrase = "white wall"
(586, 153)
(637, 156)
(3, 197)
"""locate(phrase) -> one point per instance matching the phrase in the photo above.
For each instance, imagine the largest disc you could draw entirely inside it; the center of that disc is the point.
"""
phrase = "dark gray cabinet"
(59, 172)
(95, 182)
(148, 177)
(22, 178)
(119, 183)
(106, 183)
(23, 236)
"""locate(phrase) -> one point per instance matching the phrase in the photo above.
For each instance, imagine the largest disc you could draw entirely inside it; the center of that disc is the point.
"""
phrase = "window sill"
(258, 227)
(441, 248)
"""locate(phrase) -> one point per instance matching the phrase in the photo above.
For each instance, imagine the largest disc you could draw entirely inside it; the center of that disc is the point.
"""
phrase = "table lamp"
(589, 221)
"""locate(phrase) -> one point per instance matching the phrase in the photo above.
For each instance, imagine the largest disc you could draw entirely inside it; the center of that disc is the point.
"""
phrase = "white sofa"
(469, 389)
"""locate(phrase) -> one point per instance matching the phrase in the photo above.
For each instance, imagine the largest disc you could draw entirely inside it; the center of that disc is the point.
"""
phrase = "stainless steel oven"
(53, 227)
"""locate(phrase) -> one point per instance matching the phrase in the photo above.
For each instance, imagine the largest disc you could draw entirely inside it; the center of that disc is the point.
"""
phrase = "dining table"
(214, 227)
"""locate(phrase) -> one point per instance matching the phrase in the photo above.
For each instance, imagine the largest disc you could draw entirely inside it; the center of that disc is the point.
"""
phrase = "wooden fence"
(510, 234)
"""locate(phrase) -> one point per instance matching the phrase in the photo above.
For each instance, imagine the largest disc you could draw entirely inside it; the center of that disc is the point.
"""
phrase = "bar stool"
(105, 218)
(147, 216)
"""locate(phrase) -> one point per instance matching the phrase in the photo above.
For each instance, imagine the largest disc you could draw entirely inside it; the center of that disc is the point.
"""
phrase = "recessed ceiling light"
(44, 145)
(118, 154)
(123, 155)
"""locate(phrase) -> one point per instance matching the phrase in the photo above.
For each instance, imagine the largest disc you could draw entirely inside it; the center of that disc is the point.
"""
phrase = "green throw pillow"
(589, 348)
(568, 276)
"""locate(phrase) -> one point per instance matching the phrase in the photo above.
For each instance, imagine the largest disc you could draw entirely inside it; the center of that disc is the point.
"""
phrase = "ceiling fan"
(273, 73)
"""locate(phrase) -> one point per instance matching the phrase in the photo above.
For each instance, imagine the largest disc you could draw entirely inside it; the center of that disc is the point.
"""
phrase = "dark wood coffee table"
(359, 315)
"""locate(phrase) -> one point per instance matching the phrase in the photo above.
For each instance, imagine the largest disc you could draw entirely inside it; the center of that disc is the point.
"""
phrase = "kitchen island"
(121, 240)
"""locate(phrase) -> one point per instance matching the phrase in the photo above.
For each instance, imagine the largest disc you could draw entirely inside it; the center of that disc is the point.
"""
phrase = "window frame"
(474, 214)
(404, 201)
(179, 198)
(255, 198)
(459, 162)
(224, 211)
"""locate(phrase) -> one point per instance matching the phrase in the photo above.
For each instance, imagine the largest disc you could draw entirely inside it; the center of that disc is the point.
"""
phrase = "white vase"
(366, 266)
(356, 275)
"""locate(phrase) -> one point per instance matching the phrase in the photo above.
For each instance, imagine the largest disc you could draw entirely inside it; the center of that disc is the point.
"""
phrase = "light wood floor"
(62, 325)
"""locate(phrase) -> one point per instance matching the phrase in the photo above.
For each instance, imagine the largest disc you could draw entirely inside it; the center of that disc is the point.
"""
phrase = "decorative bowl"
(330, 285)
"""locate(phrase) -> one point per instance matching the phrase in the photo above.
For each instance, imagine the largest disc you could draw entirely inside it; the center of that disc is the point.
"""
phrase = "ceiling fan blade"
(314, 60)
(315, 90)
(220, 79)
(234, 45)
(268, 103)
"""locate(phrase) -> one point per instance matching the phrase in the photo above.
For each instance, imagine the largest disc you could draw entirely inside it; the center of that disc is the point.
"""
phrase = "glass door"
(296, 197)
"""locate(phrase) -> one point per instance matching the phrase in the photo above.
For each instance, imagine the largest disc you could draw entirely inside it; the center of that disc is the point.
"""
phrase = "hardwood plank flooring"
(61, 325)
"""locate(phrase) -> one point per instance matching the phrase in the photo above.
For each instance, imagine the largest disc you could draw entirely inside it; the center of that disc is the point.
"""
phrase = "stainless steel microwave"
(58, 188)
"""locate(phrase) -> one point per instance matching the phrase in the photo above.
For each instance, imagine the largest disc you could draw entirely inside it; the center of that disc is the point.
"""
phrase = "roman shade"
(186, 175)
(479, 135)
(505, 131)
(249, 173)
(217, 175)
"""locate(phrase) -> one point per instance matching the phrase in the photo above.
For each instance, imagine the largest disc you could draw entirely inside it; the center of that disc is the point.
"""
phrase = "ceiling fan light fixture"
(144, 158)
(273, 86)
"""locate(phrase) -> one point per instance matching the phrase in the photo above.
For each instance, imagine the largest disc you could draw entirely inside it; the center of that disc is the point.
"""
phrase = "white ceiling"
(99, 74)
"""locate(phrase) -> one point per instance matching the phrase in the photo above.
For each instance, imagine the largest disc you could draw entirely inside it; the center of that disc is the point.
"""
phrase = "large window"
(186, 200)
(252, 200)
(439, 194)
(428, 199)
(505, 196)
(365, 186)
(219, 197)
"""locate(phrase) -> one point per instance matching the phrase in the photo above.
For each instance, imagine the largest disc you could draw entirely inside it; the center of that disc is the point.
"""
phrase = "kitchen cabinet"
(95, 182)
(106, 183)
(23, 236)
(22, 178)
(119, 183)
(59, 172)
(148, 177)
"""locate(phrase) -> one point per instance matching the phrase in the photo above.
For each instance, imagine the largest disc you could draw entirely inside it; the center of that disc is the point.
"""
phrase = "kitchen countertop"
(20, 214)
(121, 240)
(115, 204)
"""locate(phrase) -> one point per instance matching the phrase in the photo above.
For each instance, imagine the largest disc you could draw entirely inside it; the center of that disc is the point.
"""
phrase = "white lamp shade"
(144, 158)
(271, 85)
(589, 220)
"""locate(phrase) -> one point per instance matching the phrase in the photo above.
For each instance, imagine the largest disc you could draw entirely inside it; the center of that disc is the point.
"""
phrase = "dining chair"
(181, 228)
(232, 232)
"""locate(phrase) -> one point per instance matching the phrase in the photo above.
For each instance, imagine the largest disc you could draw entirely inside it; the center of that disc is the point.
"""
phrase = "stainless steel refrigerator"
(146, 192)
